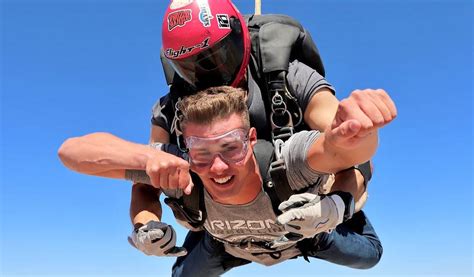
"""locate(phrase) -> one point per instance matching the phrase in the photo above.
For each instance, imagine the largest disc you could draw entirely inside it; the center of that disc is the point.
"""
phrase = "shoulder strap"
(276, 41)
(190, 208)
(274, 179)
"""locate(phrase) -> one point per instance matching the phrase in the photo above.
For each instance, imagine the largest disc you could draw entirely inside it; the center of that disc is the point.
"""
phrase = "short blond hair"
(213, 104)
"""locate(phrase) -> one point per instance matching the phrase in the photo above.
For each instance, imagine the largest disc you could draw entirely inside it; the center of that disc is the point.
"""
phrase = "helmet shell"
(191, 27)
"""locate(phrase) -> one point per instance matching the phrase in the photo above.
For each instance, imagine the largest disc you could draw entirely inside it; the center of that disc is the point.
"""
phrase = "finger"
(164, 180)
(189, 188)
(130, 240)
(296, 200)
(184, 178)
(176, 251)
(294, 214)
(346, 130)
(373, 115)
(168, 240)
(370, 107)
(388, 102)
(155, 235)
(154, 174)
(381, 105)
(350, 108)
(173, 177)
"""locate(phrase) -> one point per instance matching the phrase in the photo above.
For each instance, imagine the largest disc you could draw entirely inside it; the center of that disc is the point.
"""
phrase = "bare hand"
(359, 115)
(167, 171)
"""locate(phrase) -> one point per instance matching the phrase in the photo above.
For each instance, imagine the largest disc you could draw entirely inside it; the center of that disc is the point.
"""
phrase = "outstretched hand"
(358, 116)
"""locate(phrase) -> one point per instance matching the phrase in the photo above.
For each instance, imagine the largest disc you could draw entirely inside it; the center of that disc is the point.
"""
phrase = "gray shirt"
(245, 232)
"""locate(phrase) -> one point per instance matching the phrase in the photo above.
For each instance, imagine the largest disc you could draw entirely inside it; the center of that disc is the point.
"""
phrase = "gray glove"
(156, 238)
(308, 214)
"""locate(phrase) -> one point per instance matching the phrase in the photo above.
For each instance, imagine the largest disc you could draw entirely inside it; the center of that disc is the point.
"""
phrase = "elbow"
(74, 153)
(66, 152)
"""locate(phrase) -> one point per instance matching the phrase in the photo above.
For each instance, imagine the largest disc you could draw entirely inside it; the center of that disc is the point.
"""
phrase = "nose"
(218, 165)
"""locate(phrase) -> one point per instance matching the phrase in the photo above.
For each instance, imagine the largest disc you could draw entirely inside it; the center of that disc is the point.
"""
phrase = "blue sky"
(73, 67)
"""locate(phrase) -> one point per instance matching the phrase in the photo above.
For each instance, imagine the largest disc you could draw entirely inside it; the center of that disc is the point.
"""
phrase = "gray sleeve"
(140, 176)
(163, 113)
(303, 82)
(294, 152)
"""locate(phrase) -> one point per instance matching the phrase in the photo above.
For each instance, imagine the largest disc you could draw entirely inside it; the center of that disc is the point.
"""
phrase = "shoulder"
(296, 67)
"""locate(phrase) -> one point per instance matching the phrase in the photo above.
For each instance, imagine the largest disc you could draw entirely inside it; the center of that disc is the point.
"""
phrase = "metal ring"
(278, 126)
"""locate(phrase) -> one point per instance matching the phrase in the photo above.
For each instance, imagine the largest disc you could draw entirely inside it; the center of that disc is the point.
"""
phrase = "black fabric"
(263, 151)
(275, 53)
(366, 171)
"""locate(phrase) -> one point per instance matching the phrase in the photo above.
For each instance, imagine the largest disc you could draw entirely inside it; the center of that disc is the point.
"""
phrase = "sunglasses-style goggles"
(231, 147)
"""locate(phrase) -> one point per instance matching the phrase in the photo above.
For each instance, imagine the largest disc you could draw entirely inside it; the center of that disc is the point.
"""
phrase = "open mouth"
(223, 180)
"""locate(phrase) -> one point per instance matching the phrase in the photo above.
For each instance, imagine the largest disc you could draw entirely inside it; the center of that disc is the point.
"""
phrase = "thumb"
(290, 215)
(187, 190)
(345, 130)
(130, 240)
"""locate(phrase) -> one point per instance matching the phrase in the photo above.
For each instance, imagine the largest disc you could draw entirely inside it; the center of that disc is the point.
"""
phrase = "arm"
(145, 205)
(103, 154)
(318, 116)
(352, 138)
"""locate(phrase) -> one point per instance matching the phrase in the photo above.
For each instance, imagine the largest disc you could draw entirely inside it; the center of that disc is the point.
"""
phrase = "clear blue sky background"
(73, 67)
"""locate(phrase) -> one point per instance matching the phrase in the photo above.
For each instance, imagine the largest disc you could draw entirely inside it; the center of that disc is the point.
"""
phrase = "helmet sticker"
(172, 53)
(176, 4)
(205, 15)
(223, 21)
(178, 18)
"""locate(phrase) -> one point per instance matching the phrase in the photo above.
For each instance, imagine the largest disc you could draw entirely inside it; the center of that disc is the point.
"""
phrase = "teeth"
(222, 180)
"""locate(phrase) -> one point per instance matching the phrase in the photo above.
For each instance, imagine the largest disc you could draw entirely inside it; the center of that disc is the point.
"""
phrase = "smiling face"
(223, 158)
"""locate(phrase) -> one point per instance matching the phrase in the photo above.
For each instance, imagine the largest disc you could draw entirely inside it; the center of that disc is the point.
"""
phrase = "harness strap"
(190, 208)
(277, 191)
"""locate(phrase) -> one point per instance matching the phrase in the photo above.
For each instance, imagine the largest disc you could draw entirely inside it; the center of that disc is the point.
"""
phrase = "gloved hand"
(156, 238)
(308, 214)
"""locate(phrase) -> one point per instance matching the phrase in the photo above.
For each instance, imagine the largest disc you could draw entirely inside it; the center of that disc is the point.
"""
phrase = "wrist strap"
(366, 172)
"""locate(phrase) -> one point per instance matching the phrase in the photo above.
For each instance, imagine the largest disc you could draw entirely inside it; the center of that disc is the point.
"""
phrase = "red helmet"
(206, 42)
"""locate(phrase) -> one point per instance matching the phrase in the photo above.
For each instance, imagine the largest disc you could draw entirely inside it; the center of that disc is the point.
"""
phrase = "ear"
(253, 136)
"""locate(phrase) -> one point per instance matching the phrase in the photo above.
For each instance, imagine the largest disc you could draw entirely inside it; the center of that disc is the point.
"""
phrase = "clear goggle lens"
(231, 147)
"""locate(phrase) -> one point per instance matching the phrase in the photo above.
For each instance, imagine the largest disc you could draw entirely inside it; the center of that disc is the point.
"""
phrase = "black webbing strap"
(277, 191)
(280, 181)
(366, 171)
(190, 208)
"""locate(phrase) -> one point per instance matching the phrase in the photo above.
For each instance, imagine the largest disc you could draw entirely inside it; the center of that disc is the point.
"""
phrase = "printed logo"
(178, 18)
(176, 4)
(205, 15)
(223, 21)
(245, 226)
(172, 53)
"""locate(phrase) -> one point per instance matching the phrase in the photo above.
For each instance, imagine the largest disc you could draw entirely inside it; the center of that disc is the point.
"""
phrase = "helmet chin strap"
(240, 81)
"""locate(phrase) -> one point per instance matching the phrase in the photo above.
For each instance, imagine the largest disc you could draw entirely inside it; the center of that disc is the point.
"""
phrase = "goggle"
(231, 147)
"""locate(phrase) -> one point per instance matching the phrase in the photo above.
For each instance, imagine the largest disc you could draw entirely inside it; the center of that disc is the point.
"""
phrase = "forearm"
(325, 157)
(352, 181)
(103, 154)
(145, 204)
